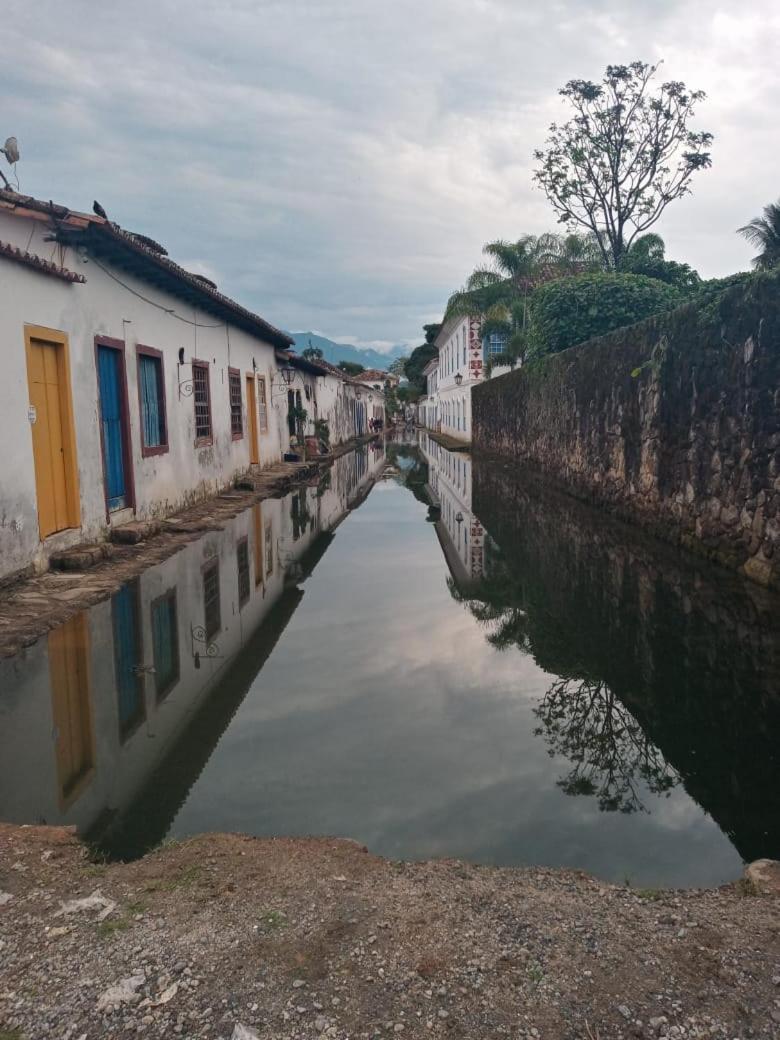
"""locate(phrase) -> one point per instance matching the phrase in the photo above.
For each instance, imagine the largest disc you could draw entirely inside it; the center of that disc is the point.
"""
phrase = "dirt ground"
(233, 937)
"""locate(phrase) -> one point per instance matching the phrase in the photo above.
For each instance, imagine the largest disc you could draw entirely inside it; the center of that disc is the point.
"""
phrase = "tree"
(431, 331)
(397, 367)
(572, 310)
(352, 368)
(764, 232)
(647, 256)
(416, 362)
(312, 353)
(623, 157)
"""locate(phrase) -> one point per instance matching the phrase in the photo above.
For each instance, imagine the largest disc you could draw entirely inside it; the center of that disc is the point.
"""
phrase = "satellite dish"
(11, 150)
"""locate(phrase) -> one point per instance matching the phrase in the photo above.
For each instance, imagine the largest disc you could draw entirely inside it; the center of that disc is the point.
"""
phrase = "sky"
(338, 165)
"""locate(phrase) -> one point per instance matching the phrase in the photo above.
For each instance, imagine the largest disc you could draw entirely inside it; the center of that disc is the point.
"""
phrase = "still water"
(429, 655)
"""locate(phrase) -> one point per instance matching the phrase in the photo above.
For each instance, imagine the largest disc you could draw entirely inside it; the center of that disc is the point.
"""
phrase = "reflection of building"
(112, 703)
(461, 533)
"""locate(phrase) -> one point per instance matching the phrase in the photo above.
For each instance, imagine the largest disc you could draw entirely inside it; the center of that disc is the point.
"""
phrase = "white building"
(461, 533)
(131, 387)
(461, 363)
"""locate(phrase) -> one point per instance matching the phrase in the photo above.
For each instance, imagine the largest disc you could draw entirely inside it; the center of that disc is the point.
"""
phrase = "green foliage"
(572, 310)
(764, 232)
(322, 431)
(416, 362)
(625, 154)
(352, 368)
(312, 353)
(431, 331)
(647, 256)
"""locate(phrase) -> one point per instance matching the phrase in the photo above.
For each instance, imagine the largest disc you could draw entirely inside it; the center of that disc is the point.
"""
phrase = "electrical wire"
(159, 306)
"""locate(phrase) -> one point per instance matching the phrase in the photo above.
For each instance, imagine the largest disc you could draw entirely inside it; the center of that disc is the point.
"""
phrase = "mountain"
(335, 352)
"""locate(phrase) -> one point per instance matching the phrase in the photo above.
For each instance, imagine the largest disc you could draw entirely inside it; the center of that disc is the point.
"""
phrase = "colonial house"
(428, 405)
(378, 378)
(131, 388)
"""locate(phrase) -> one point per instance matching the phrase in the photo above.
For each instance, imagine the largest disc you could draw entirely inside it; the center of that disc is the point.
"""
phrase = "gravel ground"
(228, 937)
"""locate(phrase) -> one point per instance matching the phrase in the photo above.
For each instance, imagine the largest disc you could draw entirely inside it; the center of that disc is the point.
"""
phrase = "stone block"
(134, 532)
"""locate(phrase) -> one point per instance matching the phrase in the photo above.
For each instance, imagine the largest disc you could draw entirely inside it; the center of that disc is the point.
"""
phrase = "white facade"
(121, 312)
(460, 531)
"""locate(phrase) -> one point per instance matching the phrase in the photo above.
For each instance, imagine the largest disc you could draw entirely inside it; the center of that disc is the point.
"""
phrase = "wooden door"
(71, 707)
(251, 407)
(53, 437)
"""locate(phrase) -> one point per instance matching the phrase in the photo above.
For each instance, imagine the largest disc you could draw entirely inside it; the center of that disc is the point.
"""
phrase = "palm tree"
(764, 232)
(499, 294)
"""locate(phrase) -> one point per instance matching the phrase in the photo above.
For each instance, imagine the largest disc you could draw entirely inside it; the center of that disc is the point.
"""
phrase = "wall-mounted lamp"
(254, 365)
(358, 392)
(288, 374)
(458, 378)
(181, 355)
(459, 518)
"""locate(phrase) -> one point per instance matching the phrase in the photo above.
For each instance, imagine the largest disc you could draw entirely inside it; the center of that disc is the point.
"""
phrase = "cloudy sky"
(337, 165)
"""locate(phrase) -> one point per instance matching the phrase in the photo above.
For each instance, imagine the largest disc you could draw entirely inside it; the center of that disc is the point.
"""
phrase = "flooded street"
(436, 659)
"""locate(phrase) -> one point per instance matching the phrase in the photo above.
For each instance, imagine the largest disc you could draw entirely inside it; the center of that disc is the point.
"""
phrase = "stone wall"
(673, 423)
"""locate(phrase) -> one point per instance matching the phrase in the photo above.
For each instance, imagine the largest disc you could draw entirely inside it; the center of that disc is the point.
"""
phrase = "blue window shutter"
(150, 386)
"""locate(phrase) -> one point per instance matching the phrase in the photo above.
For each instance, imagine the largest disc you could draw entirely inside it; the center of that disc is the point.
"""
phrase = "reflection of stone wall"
(688, 445)
(693, 652)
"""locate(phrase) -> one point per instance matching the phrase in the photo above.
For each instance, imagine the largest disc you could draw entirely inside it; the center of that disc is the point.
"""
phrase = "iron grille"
(236, 417)
(200, 378)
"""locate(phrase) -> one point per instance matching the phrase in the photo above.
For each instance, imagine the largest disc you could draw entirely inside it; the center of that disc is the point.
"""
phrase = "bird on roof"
(99, 211)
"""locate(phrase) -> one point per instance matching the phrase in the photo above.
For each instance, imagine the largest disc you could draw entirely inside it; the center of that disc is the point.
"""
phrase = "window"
(242, 560)
(165, 643)
(269, 549)
(236, 409)
(151, 397)
(494, 344)
(211, 613)
(257, 548)
(202, 395)
(262, 404)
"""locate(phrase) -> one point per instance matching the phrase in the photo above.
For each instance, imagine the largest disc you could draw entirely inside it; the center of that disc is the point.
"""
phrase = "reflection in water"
(142, 685)
(469, 653)
(586, 723)
(669, 672)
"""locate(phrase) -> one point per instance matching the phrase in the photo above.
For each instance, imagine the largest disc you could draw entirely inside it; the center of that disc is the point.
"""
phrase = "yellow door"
(71, 707)
(251, 407)
(54, 454)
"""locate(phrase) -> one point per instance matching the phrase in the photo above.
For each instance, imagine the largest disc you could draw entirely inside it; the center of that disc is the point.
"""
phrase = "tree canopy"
(626, 153)
(764, 233)
(352, 368)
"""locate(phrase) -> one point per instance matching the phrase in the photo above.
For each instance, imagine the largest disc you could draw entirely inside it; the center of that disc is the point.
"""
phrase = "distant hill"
(335, 352)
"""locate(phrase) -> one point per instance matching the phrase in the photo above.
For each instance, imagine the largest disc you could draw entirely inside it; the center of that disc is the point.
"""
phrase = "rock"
(657, 1024)
(242, 1032)
(124, 992)
(765, 876)
(298, 983)
(442, 1013)
(320, 1023)
(624, 1011)
(97, 901)
(5, 897)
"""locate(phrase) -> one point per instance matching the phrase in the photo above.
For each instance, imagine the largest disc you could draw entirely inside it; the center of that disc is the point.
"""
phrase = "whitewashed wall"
(102, 306)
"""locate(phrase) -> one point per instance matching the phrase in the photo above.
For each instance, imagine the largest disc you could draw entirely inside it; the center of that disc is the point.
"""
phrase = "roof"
(142, 257)
(433, 363)
(378, 375)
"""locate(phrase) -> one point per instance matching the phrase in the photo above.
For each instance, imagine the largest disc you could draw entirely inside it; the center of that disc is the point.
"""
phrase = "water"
(448, 661)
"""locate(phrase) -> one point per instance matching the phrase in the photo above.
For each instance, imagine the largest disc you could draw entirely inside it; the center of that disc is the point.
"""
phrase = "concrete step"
(134, 532)
(80, 557)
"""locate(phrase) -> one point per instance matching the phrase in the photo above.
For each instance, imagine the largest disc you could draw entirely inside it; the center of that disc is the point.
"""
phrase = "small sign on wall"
(32, 414)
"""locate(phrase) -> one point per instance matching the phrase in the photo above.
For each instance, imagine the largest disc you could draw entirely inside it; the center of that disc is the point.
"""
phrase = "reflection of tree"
(583, 720)
(507, 621)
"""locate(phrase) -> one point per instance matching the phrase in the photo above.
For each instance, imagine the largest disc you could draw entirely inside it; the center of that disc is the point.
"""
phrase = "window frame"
(209, 565)
(234, 379)
(141, 350)
(202, 441)
(169, 596)
(242, 549)
(262, 406)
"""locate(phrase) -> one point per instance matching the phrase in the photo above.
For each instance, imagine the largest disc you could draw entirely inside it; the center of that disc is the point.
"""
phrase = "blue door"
(112, 419)
(127, 658)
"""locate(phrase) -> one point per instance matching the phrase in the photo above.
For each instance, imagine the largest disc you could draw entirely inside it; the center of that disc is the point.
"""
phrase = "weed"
(108, 929)
(535, 972)
(652, 894)
(10, 1034)
(273, 919)
(184, 879)
(746, 887)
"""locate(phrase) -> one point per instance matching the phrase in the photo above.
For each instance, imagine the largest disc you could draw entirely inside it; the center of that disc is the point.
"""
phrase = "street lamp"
(458, 378)
(288, 374)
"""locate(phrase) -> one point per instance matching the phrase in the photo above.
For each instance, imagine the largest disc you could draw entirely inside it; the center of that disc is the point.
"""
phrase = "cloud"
(340, 164)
